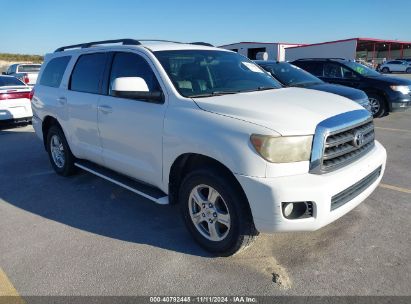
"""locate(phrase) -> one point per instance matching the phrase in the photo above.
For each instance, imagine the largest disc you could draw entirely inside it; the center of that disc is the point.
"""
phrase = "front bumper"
(265, 195)
(400, 102)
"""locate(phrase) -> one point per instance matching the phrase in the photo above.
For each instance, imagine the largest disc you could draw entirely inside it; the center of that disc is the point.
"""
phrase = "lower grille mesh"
(348, 194)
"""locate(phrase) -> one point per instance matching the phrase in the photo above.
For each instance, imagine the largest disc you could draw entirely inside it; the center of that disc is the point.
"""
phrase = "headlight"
(283, 149)
(403, 89)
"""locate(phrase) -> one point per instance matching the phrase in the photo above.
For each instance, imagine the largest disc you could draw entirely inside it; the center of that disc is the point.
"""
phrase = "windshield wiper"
(215, 93)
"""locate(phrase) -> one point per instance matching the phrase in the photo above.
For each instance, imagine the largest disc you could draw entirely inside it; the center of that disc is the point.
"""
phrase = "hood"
(391, 80)
(344, 91)
(288, 111)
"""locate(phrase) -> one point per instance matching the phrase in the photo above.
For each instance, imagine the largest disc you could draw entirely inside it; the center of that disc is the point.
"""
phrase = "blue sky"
(38, 27)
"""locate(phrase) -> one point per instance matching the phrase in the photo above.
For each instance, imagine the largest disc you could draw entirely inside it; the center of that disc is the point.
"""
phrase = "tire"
(408, 71)
(385, 70)
(61, 158)
(378, 105)
(228, 209)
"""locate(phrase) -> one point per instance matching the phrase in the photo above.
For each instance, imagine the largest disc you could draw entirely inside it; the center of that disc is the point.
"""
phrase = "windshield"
(290, 75)
(361, 69)
(202, 73)
(10, 81)
(29, 68)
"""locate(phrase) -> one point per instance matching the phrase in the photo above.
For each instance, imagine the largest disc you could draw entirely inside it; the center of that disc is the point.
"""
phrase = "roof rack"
(123, 42)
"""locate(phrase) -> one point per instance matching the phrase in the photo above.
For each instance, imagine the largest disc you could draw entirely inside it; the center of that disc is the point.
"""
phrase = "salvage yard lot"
(85, 236)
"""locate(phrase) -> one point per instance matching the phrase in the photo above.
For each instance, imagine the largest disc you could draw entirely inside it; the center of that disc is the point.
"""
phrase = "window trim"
(101, 78)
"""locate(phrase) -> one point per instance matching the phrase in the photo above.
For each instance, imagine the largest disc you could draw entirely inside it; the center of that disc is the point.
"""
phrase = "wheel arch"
(47, 123)
(188, 162)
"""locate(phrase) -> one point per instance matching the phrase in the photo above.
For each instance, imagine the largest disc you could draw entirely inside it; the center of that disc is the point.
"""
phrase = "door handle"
(105, 109)
(62, 100)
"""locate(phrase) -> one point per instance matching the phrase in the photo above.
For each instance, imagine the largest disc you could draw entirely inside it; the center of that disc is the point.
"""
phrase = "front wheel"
(378, 105)
(408, 71)
(216, 212)
(385, 70)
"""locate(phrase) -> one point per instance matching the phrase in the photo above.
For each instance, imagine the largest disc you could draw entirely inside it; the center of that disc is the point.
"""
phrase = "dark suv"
(386, 93)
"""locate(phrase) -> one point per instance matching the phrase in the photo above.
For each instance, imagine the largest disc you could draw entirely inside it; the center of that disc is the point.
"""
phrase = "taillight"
(26, 79)
(31, 94)
(14, 95)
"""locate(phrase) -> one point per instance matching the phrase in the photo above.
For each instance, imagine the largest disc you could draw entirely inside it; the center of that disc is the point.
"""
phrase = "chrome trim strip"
(338, 123)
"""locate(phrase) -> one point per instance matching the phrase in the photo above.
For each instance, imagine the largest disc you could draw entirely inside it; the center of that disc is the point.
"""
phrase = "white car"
(27, 73)
(14, 100)
(207, 129)
(396, 66)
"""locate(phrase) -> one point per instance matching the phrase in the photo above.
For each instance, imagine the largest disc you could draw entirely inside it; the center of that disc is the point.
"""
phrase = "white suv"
(207, 129)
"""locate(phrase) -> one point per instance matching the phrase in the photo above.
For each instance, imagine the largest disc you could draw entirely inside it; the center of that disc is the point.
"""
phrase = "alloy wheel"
(209, 212)
(57, 151)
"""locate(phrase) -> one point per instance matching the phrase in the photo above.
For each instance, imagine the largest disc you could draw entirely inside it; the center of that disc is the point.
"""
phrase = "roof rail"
(123, 42)
(90, 44)
(202, 43)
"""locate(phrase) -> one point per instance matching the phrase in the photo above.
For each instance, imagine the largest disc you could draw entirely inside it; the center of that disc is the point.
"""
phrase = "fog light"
(297, 210)
(287, 209)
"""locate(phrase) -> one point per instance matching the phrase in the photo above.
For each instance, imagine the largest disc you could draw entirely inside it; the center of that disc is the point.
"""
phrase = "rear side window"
(88, 72)
(54, 71)
(315, 68)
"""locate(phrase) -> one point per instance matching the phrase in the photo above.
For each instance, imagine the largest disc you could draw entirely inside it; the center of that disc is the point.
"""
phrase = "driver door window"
(332, 70)
(133, 65)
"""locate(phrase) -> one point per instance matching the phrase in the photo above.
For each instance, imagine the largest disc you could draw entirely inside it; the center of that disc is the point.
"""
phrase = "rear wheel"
(59, 152)
(385, 70)
(378, 105)
(216, 212)
(408, 71)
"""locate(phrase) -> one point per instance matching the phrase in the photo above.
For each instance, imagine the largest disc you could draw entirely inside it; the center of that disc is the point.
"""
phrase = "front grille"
(346, 145)
(348, 194)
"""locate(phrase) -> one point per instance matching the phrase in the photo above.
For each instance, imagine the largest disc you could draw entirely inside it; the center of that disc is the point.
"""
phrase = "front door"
(131, 130)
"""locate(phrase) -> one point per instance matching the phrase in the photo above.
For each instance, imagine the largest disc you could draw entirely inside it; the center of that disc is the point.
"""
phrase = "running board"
(152, 193)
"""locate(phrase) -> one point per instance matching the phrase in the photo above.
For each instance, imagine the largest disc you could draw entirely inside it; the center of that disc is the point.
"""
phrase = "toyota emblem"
(358, 140)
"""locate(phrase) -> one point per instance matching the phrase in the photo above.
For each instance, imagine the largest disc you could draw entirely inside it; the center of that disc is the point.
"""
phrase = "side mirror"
(135, 88)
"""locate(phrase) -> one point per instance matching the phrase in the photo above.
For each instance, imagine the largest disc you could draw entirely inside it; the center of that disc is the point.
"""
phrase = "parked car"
(405, 59)
(14, 100)
(395, 66)
(386, 94)
(292, 76)
(209, 130)
(25, 72)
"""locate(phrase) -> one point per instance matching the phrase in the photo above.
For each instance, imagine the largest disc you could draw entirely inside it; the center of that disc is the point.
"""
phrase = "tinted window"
(10, 81)
(133, 65)
(332, 70)
(88, 72)
(29, 68)
(315, 68)
(53, 73)
(290, 75)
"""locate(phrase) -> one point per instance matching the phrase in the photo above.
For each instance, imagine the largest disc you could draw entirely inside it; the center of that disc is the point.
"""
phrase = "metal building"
(256, 50)
(367, 50)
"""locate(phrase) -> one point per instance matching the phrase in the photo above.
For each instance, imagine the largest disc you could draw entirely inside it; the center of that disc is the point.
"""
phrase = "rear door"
(131, 130)
(82, 99)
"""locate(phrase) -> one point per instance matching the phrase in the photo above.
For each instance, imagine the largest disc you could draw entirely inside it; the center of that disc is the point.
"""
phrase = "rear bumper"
(267, 194)
(15, 109)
